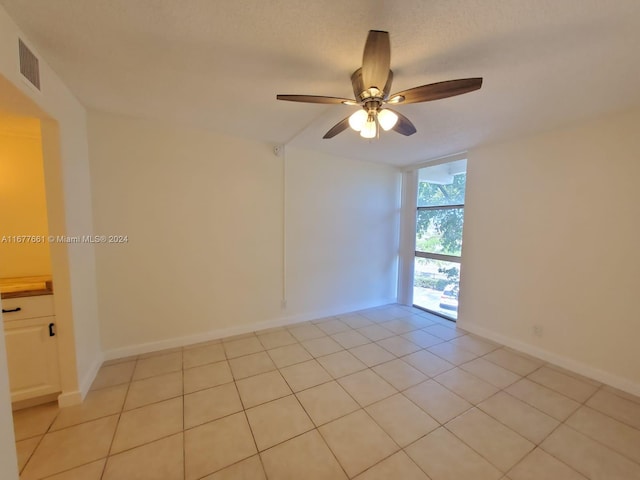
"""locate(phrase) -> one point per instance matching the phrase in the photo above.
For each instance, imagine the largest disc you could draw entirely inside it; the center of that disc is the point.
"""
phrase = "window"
(439, 223)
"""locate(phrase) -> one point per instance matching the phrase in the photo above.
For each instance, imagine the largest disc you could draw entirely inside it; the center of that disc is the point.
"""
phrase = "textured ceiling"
(219, 64)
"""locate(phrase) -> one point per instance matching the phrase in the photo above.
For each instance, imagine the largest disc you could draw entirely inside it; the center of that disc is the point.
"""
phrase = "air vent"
(29, 64)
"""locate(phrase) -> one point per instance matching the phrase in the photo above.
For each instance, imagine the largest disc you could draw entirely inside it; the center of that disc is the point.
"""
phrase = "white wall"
(342, 233)
(203, 213)
(22, 190)
(551, 239)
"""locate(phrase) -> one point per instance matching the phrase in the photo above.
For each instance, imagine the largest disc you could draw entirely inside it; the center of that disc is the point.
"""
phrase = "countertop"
(26, 286)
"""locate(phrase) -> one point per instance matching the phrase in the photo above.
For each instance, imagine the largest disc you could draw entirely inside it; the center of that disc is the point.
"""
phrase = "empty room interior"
(319, 240)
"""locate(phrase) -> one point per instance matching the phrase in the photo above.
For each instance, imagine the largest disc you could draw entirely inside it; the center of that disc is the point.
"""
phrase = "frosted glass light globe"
(357, 120)
(387, 119)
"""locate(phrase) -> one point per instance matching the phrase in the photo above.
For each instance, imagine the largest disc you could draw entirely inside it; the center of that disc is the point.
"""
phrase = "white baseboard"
(565, 362)
(76, 397)
(69, 399)
(142, 348)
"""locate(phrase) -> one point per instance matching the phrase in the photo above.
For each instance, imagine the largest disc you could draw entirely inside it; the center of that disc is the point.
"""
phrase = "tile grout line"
(39, 441)
(336, 379)
(536, 445)
(601, 444)
(115, 431)
(364, 408)
(246, 417)
(584, 405)
(317, 429)
(32, 452)
(480, 454)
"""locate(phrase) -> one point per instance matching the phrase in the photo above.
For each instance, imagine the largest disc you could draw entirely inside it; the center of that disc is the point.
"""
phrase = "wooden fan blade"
(339, 127)
(357, 83)
(376, 60)
(403, 125)
(315, 99)
(436, 91)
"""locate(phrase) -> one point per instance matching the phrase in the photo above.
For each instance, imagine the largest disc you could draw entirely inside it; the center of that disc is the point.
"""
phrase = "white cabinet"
(32, 347)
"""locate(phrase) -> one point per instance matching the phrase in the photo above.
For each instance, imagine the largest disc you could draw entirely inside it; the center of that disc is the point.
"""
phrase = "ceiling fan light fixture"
(387, 119)
(370, 128)
(371, 88)
(357, 120)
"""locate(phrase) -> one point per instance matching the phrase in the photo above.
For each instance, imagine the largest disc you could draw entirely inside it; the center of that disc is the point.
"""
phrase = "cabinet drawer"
(29, 307)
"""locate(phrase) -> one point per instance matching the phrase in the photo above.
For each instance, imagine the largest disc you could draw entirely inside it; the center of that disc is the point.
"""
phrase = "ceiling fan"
(371, 87)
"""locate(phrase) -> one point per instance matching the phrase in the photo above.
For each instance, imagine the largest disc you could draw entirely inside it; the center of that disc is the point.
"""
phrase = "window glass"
(442, 185)
(436, 286)
(440, 231)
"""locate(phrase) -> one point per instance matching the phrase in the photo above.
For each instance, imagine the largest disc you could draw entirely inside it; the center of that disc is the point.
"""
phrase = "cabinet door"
(32, 355)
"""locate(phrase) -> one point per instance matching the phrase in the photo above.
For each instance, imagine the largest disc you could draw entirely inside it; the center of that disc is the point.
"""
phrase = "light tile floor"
(390, 392)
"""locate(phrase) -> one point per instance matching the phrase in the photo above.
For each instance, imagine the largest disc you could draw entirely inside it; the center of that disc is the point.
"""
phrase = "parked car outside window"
(449, 297)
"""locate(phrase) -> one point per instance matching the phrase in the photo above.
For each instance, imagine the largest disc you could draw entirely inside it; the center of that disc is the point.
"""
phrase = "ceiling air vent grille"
(29, 64)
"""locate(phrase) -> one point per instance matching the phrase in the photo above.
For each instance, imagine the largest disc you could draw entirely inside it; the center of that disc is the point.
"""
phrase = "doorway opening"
(26, 283)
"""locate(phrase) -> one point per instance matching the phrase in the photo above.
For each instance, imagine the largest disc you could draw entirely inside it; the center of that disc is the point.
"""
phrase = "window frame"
(407, 240)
